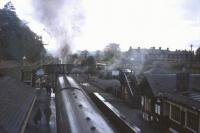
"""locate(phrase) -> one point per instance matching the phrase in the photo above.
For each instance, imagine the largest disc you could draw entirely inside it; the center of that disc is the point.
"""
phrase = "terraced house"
(172, 100)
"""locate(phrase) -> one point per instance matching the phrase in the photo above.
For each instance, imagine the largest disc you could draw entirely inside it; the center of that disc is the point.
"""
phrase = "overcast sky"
(137, 23)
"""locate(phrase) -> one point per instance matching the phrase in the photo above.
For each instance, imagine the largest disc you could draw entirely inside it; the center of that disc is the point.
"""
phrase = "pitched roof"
(15, 101)
(157, 70)
(195, 82)
(165, 85)
(161, 83)
(185, 100)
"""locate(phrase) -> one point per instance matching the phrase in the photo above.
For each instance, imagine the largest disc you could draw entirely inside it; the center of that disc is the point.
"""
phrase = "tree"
(73, 58)
(9, 6)
(89, 61)
(98, 55)
(90, 64)
(112, 51)
(84, 53)
(16, 38)
(198, 54)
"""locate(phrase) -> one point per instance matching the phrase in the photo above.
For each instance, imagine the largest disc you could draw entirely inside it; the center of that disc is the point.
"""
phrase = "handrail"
(128, 84)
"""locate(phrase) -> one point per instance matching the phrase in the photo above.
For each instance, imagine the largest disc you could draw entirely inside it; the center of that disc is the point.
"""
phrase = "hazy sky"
(137, 23)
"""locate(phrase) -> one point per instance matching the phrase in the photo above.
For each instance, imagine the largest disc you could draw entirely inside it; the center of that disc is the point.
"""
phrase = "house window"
(142, 101)
(147, 106)
(175, 113)
(157, 109)
(192, 121)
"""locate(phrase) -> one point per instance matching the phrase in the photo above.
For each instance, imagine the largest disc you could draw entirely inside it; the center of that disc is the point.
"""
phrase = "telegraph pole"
(191, 57)
(42, 56)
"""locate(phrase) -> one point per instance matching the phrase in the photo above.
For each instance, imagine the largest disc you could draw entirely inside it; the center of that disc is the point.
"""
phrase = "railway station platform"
(43, 101)
(132, 115)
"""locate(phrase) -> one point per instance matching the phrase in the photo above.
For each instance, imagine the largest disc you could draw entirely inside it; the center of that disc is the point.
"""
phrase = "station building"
(172, 100)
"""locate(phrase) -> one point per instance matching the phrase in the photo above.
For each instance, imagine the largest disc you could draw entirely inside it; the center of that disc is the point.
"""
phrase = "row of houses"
(172, 101)
(140, 54)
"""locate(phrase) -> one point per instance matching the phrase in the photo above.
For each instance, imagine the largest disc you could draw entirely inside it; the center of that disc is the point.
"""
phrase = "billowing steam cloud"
(62, 19)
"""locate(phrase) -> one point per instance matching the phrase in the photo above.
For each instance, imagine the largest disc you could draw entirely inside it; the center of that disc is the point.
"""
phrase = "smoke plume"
(62, 19)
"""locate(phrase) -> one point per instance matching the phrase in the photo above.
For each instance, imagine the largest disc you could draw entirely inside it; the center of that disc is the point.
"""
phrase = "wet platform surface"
(132, 115)
(43, 101)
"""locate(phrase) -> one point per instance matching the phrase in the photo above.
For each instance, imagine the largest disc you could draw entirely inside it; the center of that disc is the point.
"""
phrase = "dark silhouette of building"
(172, 100)
(160, 54)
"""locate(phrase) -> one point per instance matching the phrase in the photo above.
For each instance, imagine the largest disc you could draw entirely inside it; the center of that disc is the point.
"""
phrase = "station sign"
(115, 72)
(40, 72)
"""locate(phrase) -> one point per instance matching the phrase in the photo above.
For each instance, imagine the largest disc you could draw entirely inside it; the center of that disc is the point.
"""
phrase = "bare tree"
(112, 50)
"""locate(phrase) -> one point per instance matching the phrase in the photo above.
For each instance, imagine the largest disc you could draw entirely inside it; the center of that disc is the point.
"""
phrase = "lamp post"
(42, 55)
(23, 60)
(22, 68)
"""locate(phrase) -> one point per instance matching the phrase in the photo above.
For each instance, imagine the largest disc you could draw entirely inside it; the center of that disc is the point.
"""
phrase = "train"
(75, 111)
